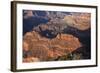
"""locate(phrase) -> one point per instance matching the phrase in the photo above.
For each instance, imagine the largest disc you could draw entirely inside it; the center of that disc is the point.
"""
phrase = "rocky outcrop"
(55, 21)
(52, 28)
(44, 49)
(50, 34)
(80, 21)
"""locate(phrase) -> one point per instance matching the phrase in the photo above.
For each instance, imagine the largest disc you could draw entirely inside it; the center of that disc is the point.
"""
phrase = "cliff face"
(74, 22)
(43, 49)
(79, 21)
(53, 35)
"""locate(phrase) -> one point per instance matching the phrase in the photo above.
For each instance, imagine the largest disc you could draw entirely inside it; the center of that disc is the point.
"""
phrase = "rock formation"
(49, 35)
(79, 21)
(43, 49)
